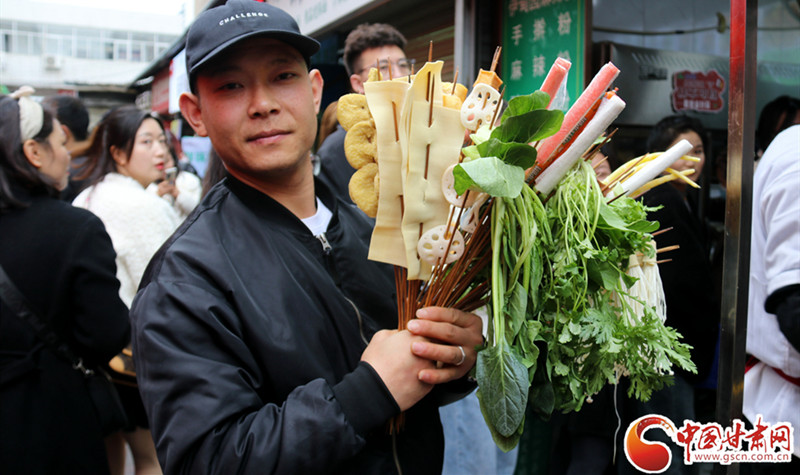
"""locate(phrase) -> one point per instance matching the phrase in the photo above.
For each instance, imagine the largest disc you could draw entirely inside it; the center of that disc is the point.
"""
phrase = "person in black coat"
(62, 261)
(692, 308)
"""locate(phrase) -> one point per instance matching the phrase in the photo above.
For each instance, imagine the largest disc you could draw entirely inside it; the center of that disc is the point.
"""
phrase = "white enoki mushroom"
(646, 291)
(433, 245)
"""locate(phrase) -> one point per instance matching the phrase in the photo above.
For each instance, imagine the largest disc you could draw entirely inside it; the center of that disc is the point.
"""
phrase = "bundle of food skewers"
(517, 221)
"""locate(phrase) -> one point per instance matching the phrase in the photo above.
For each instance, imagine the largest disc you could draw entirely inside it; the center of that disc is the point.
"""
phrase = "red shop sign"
(697, 91)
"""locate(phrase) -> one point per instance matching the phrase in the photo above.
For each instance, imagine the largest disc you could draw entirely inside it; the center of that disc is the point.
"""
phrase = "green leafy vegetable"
(508, 145)
(559, 329)
(523, 104)
(491, 175)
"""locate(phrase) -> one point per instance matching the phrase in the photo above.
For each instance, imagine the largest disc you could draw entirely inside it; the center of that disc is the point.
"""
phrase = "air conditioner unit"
(52, 62)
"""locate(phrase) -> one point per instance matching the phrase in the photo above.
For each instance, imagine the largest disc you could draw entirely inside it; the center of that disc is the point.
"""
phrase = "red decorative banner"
(697, 91)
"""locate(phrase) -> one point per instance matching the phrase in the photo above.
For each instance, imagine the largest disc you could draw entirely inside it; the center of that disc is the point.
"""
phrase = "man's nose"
(262, 102)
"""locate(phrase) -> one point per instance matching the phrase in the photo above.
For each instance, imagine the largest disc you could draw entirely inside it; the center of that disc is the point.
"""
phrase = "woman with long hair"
(128, 153)
(61, 260)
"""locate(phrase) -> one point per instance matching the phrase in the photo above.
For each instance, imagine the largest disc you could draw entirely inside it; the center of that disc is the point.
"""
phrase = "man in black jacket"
(258, 326)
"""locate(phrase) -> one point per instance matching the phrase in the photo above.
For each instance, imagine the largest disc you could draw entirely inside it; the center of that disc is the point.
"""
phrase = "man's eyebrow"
(220, 69)
(287, 59)
(225, 67)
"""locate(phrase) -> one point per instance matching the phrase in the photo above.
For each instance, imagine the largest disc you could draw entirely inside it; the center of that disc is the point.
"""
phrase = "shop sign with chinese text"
(697, 91)
(535, 33)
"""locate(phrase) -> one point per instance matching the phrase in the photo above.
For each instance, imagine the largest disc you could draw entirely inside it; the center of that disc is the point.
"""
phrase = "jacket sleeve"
(101, 326)
(208, 403)
(780, 207)
(780, 202)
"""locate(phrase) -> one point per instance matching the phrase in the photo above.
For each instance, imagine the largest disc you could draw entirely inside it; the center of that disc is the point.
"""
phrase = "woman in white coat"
(130, 153)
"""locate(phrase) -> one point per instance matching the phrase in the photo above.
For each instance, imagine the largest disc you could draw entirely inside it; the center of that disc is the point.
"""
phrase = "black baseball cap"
(220, 27)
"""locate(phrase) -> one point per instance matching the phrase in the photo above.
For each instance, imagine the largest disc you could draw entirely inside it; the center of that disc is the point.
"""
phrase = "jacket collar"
(263, 205)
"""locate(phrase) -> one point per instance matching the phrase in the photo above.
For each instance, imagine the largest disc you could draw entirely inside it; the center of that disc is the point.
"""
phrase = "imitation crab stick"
(556, 76)
(577, 115)
(607, 112)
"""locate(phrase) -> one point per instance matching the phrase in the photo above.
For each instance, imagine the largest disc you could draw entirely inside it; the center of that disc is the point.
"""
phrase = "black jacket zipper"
(327, 251)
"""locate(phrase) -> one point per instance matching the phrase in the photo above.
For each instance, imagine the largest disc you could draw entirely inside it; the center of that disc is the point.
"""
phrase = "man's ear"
(190, 109)
(356, 84)
(316, 87)
(32, 151)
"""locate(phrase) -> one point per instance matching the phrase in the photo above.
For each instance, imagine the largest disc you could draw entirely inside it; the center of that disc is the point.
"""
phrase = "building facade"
(92, 53)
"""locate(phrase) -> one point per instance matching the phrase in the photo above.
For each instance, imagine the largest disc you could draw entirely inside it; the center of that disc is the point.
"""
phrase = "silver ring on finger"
(463, 356)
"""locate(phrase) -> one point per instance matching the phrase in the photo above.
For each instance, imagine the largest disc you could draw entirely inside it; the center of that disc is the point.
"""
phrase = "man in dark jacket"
(257, 328)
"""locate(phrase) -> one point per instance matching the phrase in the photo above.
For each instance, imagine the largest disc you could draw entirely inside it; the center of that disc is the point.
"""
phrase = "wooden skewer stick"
(589, 155)
(430, 102)
(603, 187)
(425, 175)
(394, 116)
(389, 63)
(441, 263)
(398, 279)
(661, 231)
(594, 167)
(663, 261)
(596, 148)
(496, 58)
(428, 97)
(615, 198)
(430, 52)
(378, 67)
(497, 109)
(668, 248)
(402, 206)
(455, 79)
(449, 289)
